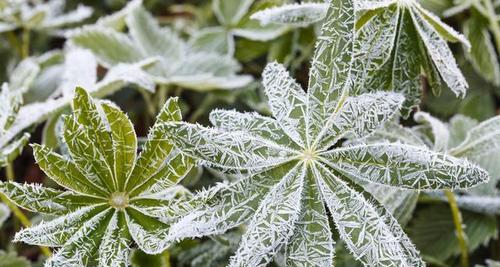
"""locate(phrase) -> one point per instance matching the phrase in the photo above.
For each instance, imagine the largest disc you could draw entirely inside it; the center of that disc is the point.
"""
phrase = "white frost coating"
(226, 149)
(273, 223)
(287, 100)
(405, 166)
(441, 55)
(300, 15)
(440, 131)
(481, 204)
(374, 238)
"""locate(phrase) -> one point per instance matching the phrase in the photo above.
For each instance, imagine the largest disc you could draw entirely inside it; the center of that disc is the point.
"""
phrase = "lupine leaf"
(114, 248)
(273, 223)
(405, 166)
(149, 233)
(439, 130)
(35, 198)
(361, 226)
(482, 139)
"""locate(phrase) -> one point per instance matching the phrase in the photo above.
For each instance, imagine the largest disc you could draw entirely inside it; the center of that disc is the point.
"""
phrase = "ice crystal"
(296, 167)
(112, 196)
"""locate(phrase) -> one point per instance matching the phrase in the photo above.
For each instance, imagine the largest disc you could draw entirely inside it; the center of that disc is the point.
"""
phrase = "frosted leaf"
(375, 239)
(329, 76)
(252, 124)
(480, 204)
(215, 38)
(482, 139)
(393, 132)
(80, 69)
(82, 147)
(441, 56)
(11, 151)
(155, 150)
(58, 231)
(299, 15)
(311, 244)
(109, 46)
(65, 172)
(360, 115)
(35, 198)
(260, 33)
(75, 16)
(169, 174)
(287, 100)
(225, 149)
(442, 28)
(150, 234)
(117, 20)
(440, 131)
(225, 206)
(4, 213)
(405, 166)
(24, 74)
(151, 39)
(114, 249)
(273, 223)
(122, 74)
(124, 143)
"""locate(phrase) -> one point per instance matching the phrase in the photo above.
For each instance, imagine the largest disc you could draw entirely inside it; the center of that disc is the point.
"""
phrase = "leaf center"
(119, 200)
(308, 155)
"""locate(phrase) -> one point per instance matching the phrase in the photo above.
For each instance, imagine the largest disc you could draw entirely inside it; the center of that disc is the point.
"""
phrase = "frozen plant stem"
(459, 230)
(25, 48)
(9, 170)
(14, 42)
(23, 219)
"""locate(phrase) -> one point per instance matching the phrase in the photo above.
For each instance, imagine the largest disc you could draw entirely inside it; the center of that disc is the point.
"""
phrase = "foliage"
(294, 168)
(365, 159)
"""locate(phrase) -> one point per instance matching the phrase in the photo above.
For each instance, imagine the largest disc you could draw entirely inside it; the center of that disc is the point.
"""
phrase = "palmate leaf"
(104, 209)
(292, 165)
(178, 63)
(389, 29)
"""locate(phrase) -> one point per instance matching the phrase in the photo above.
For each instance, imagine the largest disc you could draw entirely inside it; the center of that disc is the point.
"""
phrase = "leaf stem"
(459, 229)
(23, 219)
(14, 42)
(9, 170)
(25, 46)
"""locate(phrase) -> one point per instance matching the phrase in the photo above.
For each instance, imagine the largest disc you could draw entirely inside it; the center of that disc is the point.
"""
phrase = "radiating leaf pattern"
(291, 166)
(96, 221)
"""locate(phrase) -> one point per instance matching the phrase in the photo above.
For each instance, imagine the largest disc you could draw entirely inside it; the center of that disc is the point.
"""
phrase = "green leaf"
(65, 172)
(124, 143)
(4, 213)
(114, 249)
(482, 139)
(151, 235)
(213, 39)
(298, 15)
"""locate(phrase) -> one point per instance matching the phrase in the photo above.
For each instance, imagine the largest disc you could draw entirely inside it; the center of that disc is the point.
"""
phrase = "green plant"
(112, 197)
(294, 166)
